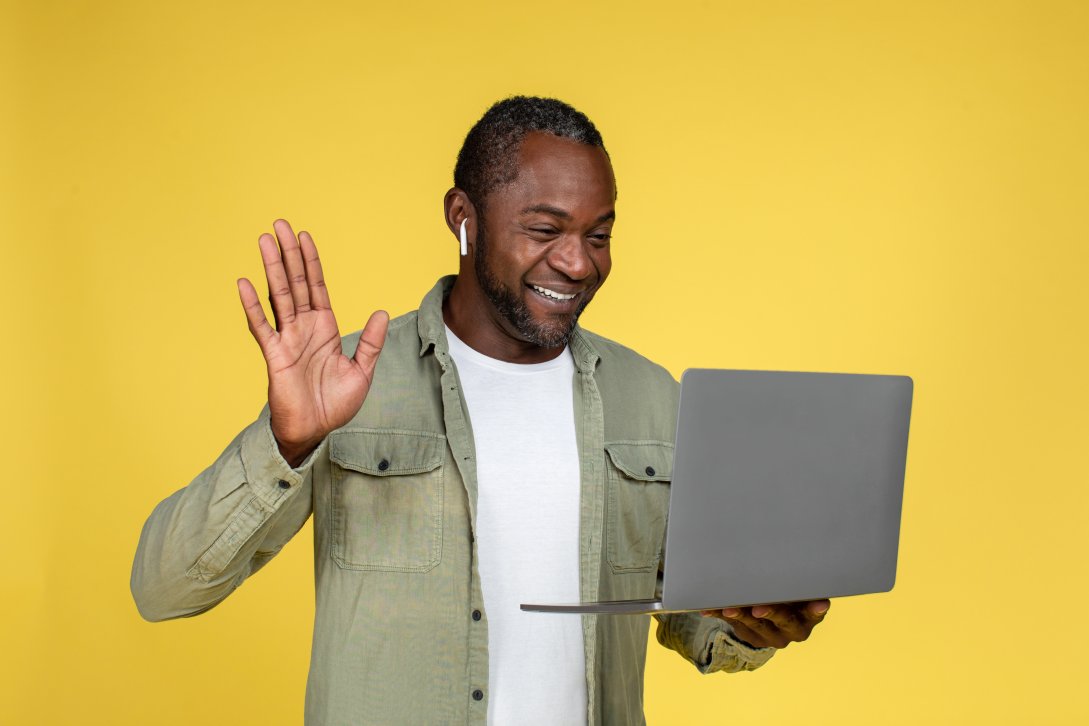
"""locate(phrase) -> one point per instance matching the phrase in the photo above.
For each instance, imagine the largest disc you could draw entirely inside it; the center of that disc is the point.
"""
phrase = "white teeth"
(552, 293)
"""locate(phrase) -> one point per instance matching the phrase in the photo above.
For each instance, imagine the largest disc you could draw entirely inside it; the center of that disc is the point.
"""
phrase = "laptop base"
(614, 607)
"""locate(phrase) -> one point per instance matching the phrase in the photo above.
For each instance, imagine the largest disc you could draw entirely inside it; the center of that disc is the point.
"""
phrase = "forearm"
(200, 543)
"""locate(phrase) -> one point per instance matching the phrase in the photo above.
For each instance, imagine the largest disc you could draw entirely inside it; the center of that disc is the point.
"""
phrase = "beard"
(552, 333)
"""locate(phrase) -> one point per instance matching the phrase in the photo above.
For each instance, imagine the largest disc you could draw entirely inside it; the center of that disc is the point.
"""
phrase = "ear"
(457, 207)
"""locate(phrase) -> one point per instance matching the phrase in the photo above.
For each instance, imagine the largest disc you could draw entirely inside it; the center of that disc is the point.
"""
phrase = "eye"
(542, 233)
(601, 238)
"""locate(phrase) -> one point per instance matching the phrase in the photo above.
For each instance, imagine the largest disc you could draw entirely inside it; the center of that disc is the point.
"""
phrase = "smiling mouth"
(552, 294)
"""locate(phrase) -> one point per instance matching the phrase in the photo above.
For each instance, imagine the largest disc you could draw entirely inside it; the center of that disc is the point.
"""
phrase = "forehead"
(562, 172)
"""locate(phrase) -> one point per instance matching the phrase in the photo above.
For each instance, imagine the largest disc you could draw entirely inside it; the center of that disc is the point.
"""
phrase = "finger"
(723, 614)
(262, 332)
(815, 610)
(720, 614)
(371, 341)
(279, 294)
(745, 627)
(766, 630)
(794, 620)
(315, 279)
(293, 263)
(782, 616)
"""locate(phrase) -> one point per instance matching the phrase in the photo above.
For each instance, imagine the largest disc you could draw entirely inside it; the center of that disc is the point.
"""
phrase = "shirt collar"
(433, 331)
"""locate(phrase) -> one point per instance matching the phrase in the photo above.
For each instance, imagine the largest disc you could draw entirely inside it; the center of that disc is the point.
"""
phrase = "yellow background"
(888, 187)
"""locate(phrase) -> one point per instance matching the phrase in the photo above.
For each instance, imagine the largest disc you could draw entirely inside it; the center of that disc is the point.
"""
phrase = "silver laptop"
(786, 487)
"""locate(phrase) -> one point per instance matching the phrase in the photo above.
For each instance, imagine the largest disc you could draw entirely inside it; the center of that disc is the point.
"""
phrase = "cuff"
(267, 472)
(728, 653)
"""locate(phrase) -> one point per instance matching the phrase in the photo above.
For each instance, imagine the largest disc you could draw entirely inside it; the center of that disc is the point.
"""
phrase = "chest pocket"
(386, 499)
(637, 504)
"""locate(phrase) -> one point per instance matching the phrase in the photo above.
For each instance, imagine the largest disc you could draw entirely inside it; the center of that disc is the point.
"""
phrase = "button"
(383, 465)
(650, 471)
(478, 695)
(476, 615)
(284, 484)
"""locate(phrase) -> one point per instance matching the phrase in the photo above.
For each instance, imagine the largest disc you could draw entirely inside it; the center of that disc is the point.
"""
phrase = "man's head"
(488, 159)
(536, 186)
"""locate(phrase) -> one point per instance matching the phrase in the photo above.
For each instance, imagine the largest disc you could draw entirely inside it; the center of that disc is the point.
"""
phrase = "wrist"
(295, 454)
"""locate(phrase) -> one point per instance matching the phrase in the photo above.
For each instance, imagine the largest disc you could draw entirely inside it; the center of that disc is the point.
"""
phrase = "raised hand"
(313, 387)
(776, 625)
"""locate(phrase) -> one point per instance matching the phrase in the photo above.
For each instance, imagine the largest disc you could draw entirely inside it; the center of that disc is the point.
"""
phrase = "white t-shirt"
(527, 533)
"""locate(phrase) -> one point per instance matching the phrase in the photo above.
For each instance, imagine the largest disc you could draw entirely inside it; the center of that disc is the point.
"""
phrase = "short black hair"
(488, 159)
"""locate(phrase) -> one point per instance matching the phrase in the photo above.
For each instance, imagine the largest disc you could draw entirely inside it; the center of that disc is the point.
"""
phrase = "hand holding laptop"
(774, 626)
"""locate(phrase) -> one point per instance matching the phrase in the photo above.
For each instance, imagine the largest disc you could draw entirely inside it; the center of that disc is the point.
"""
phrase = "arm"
(203, 541)
(734, 639)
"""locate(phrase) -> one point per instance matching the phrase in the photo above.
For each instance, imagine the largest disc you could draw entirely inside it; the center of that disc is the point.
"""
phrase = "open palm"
(313, 388)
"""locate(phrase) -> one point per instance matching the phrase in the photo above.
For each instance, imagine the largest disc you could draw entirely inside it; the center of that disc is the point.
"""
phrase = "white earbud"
(464, 239)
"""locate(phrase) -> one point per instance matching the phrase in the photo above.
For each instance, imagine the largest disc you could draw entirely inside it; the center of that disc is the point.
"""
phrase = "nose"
(570, 257)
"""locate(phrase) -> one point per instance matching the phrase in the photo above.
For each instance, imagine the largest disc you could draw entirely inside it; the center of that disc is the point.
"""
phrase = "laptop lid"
(786, 486)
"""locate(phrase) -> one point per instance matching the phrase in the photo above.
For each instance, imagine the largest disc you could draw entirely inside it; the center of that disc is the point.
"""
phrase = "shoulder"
(405, 392)
(621, 362)
(638, 396)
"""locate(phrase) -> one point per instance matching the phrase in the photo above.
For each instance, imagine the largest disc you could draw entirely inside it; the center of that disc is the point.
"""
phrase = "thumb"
(371, 341)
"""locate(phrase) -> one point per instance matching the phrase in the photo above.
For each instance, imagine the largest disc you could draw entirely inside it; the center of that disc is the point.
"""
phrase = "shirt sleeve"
(203, 541)
(709, 643)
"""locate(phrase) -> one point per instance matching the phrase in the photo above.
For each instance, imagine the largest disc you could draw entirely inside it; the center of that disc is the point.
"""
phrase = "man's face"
(543, 250)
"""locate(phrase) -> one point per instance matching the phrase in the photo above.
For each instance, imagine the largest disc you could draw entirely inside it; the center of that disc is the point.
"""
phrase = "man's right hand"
(313, 388)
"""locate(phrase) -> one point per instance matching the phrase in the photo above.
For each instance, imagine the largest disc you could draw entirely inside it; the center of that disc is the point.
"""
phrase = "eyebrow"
(563, 214)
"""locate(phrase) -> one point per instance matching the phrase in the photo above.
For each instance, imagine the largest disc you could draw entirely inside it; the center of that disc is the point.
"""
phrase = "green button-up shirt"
(393, 494)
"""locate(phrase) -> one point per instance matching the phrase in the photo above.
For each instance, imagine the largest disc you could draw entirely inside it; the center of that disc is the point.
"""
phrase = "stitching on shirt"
(639, 442)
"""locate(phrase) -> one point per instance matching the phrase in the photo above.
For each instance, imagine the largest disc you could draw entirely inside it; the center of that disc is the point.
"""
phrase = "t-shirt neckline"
(461, 349)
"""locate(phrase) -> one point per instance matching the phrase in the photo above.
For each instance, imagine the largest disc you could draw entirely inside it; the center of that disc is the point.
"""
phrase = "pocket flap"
(643, 460)
(387, 452)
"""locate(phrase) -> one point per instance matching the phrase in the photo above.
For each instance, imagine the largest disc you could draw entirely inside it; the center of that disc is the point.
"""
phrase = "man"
(480, 452)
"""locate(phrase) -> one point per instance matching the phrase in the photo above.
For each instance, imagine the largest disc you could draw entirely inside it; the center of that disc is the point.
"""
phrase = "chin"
(549, 333)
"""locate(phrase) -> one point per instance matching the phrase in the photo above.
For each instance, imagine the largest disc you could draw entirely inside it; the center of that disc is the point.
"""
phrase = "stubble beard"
(514, 309)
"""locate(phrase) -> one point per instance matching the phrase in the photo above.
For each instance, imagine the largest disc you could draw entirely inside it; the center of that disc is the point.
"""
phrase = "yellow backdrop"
(839, 186)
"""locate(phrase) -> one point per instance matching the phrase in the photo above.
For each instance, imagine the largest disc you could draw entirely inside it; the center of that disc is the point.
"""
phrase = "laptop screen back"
(786, 486)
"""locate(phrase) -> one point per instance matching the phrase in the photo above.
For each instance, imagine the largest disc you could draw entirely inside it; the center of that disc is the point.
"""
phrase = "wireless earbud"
(464, 239)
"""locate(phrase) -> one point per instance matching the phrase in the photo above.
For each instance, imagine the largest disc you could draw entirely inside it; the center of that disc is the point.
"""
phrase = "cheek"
(603, 261)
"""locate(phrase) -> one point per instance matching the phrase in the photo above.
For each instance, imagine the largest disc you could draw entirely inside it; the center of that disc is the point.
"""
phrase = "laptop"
(786, 487)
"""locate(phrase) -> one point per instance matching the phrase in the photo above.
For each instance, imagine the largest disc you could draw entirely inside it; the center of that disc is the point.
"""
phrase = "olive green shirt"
(400, 633)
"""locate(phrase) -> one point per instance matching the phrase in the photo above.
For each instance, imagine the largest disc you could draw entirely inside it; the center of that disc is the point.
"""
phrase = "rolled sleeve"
(729, 654)
(709, 644)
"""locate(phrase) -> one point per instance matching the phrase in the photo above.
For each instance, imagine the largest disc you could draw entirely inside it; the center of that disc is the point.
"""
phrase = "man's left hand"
(775, 626)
